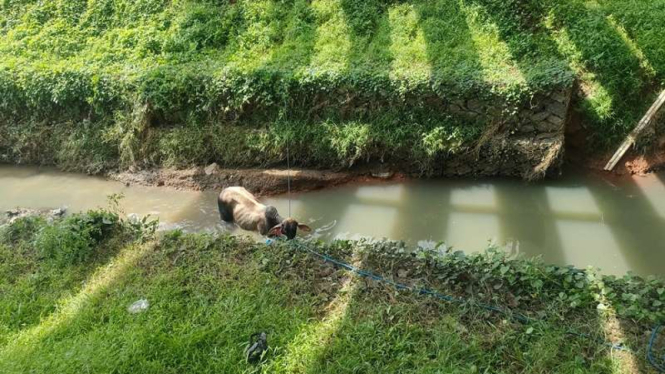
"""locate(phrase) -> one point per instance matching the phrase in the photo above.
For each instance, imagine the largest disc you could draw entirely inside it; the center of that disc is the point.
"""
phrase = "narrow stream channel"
(615, 224)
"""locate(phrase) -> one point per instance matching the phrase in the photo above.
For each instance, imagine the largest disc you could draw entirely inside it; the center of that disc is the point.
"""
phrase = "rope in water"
(653, 361)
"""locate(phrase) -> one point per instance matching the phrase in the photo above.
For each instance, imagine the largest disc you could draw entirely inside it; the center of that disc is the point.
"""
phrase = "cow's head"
(288, 227)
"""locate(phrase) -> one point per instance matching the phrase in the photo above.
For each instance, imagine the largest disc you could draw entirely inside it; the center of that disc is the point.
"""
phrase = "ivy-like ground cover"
(64, 308)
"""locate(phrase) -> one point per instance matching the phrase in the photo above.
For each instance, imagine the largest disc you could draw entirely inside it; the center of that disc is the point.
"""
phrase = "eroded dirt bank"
(259, 181)
(522, 158)
(633, 162)
(267, 182)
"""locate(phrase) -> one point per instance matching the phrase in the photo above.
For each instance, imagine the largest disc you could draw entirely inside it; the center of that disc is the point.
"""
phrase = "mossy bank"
(464, 87)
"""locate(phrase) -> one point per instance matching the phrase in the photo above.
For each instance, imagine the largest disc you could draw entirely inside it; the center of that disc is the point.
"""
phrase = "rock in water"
(211, 169)
(383, 175)
(58, 212)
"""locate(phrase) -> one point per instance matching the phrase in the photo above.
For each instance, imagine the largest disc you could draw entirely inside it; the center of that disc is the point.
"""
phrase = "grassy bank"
(64, 307)
(105, 84)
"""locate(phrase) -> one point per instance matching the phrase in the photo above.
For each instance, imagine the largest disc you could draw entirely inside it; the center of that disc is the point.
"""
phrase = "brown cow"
(238, 205)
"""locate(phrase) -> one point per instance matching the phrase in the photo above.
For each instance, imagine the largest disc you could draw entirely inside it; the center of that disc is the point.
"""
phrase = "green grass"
(207, 294)
(95, 85)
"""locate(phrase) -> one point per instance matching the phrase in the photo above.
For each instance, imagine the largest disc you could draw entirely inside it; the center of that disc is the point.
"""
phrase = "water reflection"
(613, 224)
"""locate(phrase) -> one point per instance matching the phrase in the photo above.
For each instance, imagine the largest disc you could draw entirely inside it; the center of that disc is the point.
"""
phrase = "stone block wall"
(525, 141)
(543, 116)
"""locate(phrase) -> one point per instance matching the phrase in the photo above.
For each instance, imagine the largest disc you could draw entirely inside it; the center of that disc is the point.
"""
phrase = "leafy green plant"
(75, 238)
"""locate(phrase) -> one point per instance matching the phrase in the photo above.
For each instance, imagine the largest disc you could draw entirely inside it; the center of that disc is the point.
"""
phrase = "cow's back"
(247, 212)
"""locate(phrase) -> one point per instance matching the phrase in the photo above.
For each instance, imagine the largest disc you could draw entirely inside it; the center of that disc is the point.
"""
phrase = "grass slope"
(182, 82)
(67, 313)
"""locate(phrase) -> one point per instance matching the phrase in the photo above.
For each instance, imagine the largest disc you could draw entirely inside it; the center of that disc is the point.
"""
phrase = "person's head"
(288, 227)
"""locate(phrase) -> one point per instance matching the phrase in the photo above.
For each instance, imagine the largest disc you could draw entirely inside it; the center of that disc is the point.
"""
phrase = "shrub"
(76, 238)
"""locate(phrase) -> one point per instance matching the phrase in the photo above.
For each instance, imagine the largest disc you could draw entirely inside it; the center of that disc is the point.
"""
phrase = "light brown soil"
(632, 163)
(259, 181)
(523, 157)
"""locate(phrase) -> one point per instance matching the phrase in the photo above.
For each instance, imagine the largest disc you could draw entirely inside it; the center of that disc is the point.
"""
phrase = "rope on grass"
(651, 356)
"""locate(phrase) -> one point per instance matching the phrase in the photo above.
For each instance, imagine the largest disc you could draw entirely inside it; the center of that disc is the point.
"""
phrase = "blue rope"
(660, 367)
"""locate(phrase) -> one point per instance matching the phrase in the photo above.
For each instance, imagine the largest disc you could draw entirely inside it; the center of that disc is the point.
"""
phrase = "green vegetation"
(100, 84)
(207, 294)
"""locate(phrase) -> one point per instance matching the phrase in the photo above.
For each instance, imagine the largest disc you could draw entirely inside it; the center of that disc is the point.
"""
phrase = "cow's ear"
(275, 231)
(304, 228)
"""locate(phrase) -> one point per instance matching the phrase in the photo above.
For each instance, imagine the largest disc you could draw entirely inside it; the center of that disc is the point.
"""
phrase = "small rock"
(402, 273)
(455, 109)
(133, 218)
(126, 184)
(545, 137)
(211, 169)
(540, 116)
(555, 120)
(475, 105)
(383, 175)
(13, 212)
(459, 103)
(494, 111)
(557, 109)
(138, 306)
(527, 129)
(544, 126)
(58, 212)
(557, 96)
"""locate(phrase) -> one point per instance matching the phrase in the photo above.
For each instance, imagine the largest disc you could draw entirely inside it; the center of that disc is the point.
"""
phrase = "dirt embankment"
(260, 182)
(633, 163)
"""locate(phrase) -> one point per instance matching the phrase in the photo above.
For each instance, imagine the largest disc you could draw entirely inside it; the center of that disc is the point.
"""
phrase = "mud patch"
(525, 158)
(260, 182)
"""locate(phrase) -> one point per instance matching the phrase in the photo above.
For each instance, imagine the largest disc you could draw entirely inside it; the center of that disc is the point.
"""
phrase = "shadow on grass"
(386, 331)
(641, 21)
(370, 35)
(206, 298)
(299, 38)
(449, 45)
(613, 81)
(24, 347)
(608, 56)
(33, 287)
(207, 295)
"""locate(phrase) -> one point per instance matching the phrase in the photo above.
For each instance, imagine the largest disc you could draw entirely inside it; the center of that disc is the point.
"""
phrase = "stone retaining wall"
(543, 114)
(526, 141)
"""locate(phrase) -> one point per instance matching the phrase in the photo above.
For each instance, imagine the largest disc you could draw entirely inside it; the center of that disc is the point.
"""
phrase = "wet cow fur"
(239, 206)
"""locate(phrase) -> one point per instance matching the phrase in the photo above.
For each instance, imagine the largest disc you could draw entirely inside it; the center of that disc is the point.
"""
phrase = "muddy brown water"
(615, 224)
